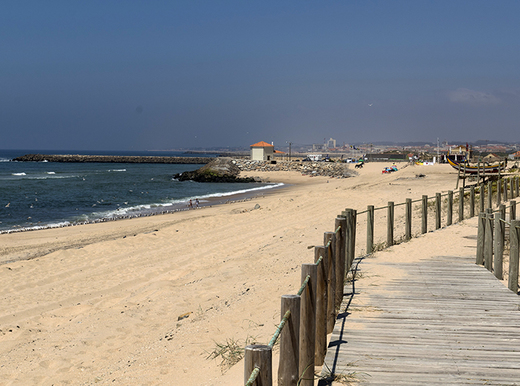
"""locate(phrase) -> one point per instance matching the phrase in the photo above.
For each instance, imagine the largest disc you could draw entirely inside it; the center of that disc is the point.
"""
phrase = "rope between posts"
(338, 229)
(505, 222)
(319, 260)
(304, 284)
(254, 375)
(365, 211)
(279, 329)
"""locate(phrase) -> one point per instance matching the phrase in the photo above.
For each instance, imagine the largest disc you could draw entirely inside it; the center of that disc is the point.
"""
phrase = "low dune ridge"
(146, 300)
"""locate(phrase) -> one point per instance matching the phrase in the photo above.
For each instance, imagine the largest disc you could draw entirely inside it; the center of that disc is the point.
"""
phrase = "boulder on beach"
(221, 169)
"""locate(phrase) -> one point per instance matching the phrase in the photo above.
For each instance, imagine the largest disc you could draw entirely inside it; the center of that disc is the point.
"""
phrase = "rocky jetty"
(111, 159)
(222, 169)
(328, 169)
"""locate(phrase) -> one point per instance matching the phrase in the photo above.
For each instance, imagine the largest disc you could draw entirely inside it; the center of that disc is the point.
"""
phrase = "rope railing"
(311, 313)
(273, 340)
(252, 378)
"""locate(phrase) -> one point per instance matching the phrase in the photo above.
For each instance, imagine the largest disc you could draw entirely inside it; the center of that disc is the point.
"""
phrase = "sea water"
(37, 195)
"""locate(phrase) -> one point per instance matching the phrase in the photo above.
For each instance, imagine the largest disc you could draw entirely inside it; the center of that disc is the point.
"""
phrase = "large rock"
(220, 169)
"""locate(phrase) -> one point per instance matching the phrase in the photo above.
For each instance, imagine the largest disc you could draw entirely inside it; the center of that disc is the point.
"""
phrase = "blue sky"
(136, 75)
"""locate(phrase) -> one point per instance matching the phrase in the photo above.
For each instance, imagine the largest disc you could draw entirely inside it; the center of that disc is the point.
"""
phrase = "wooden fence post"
(506, 188)
(408, 219)
(331, 280)
(348, 245)
(514, 237)
(424, 224)
(437, 211)
(370, 228)
(321, 306)
(499, 246)
(472, 202)
(353, 241)
(308, 325)
(488, 243)
(481, 238)
(340, 260)
(512, 210)
(512, 187)
(499, 191)
(482, 197)
(449, 220)
(461, 204)
(490, 194)
(390, 224)
(502, 210)
(261, 356)
(290, 342)
(517, 186)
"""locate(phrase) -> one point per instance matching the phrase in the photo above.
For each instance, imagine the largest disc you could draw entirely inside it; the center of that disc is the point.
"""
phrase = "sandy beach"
(144, 301)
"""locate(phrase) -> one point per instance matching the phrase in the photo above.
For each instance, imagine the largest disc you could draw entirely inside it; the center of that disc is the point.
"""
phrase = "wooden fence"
(309, 316)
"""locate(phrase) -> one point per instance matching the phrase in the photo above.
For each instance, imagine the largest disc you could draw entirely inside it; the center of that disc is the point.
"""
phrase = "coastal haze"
(169, 75)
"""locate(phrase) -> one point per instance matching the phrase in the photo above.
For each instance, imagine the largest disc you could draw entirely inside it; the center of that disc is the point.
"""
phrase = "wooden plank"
(446, 322)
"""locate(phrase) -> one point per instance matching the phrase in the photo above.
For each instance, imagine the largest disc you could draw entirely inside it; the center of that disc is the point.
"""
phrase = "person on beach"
(196, 203)
(190, 205)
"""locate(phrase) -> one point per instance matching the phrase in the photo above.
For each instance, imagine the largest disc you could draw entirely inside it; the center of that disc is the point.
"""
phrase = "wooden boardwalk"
(446, 322)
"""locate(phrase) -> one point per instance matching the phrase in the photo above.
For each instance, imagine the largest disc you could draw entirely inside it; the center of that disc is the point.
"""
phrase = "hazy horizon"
(184, 74)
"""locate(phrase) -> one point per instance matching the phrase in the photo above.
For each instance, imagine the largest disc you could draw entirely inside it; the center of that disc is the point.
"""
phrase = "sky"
(157, 75)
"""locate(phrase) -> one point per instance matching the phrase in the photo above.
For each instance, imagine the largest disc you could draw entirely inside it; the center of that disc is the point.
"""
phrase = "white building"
(262, 151)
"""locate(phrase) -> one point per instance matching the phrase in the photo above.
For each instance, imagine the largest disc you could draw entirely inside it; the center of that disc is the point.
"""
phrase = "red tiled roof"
(262, 144)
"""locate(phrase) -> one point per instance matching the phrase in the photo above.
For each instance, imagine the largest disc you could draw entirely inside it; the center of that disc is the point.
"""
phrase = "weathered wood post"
(408, 219)
(308, 325)
(261, 356)
(502, 210)
(512, 210)
(499, 246)
(472, 202)
(288, 373)
(390, 224)
(370, 228)
(353, 241)
(330, 240)
(340, 260)
(321, 305)
(461, 204)
(512, 187)
(517, 186)
(514, 241)
(424, 224)
(506, 188)
(490, 194)
(348, 246)
(449, 219)
(499, 191)
(437, 210)
(488, 246)
(481, 238)
(482, 198)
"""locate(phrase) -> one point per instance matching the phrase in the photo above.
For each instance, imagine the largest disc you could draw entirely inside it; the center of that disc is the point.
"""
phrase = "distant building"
(262, 151)
(330, 144)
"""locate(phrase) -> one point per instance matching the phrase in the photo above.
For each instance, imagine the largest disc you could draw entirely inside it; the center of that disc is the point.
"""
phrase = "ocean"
(38, 195)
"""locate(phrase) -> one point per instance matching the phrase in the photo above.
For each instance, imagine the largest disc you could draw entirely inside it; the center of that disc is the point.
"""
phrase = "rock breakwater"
(328, 169)
(222, 169)
(111, 159)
